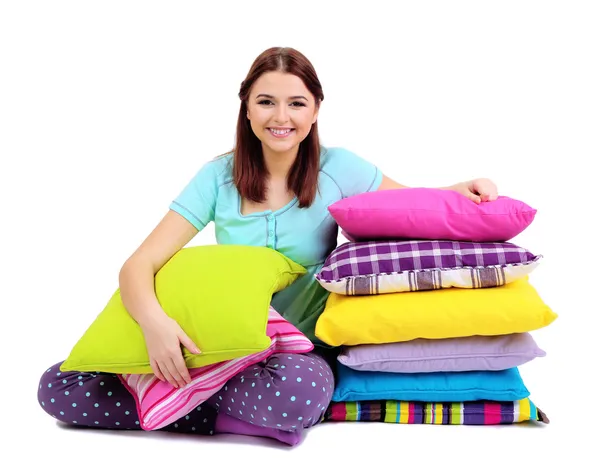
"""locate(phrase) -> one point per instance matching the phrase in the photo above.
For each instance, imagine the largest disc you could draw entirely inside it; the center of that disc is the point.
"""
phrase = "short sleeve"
(197, 201)
(352, 174)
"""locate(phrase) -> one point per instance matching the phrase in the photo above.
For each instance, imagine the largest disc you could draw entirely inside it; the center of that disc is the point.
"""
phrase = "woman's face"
(281, 111)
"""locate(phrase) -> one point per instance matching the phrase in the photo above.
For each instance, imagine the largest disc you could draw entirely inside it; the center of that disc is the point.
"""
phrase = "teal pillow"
(499, 385)
(220, 296)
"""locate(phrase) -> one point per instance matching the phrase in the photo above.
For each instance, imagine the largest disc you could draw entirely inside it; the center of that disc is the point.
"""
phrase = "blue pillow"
(499, 385)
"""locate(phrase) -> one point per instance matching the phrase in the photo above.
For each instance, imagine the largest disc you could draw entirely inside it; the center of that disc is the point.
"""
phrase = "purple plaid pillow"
(375, 267)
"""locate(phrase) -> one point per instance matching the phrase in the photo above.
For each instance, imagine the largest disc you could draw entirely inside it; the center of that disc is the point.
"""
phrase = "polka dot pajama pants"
(286, 392)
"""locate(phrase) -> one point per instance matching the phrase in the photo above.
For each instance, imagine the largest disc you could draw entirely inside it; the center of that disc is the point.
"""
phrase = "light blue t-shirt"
(305, 235)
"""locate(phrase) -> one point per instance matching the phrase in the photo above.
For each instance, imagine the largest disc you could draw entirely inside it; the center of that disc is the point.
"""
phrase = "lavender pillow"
(376, 267)
(443, 355)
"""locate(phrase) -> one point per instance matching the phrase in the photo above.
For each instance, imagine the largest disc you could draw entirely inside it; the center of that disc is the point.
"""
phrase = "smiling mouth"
(280, 133)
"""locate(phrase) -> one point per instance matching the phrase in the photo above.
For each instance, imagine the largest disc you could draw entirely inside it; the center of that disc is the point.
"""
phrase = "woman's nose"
(281, 114)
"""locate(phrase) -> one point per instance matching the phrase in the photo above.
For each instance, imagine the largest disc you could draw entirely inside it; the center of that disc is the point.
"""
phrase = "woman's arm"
(477, 190)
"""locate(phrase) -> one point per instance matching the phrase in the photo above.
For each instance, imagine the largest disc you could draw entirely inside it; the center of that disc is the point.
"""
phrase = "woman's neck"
(279, 164)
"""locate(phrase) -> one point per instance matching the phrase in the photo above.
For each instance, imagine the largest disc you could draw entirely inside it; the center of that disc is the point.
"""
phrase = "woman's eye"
(298, 104)
(265, 102)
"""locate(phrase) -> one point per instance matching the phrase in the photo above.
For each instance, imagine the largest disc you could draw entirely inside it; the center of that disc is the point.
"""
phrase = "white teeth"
(280, 131)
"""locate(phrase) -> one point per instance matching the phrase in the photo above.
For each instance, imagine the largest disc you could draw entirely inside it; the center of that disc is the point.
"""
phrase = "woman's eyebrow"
(295, 97)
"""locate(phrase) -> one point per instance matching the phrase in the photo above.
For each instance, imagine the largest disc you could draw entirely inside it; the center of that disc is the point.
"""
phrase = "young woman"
(272, 190)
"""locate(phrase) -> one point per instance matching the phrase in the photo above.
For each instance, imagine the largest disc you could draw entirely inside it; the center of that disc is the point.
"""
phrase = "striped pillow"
(467, 413)
(375, 267)
(159, 403)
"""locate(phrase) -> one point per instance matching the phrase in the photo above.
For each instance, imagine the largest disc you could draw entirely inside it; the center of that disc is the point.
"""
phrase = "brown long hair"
(249, 171)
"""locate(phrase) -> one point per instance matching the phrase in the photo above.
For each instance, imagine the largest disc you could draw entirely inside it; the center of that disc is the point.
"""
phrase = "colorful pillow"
(159, 403)
(428, 213)
(226, 424)
(219, 295)
(467, 413)
(443, 355)
(374, 267)
(498, 385)
(432, 314)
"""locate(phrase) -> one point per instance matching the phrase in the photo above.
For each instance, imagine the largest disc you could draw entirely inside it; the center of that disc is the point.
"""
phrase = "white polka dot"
(87, 394)
(62, 412)
(314, 384)
(106, 414)
(299, 379)
(96, 405)
(284, 415)
(101, 383)
(85, 414)
(127, 412)
(118, 403)
(65, 381)
(283, 378)
(293, 398)
(308, 402)
(277, 394)
(260, 397)
(67, 392)
(49, 385)
(73, 405)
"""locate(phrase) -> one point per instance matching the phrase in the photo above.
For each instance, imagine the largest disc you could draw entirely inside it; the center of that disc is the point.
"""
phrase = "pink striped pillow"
(159, 403)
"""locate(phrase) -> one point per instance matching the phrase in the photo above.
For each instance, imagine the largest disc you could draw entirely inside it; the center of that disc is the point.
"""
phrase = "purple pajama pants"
(286, 392)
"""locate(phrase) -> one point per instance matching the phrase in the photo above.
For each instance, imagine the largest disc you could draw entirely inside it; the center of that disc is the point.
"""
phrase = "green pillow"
(220, 296)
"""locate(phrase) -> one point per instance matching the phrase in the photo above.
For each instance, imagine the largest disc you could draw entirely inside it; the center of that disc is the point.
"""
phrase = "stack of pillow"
(433, 309)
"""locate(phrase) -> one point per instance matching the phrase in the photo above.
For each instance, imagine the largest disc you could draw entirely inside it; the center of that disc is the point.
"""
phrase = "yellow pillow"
(445, 313)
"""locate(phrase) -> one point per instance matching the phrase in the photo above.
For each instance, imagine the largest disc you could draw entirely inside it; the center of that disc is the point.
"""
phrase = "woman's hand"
(477, 190)
(164, 337)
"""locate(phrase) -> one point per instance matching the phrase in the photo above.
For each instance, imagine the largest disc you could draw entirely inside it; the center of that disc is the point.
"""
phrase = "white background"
(108, 108)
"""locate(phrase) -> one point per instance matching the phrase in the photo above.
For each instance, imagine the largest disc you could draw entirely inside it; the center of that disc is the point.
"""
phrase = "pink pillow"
(425, 213)
(158, 403)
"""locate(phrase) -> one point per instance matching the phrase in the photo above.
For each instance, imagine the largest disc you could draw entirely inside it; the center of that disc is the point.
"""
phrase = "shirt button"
(271, 233)
(270, 217)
